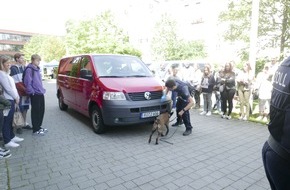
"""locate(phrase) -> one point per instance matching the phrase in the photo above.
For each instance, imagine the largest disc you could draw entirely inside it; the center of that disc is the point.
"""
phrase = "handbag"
(256, 94)
(21, 89)
(18, 120)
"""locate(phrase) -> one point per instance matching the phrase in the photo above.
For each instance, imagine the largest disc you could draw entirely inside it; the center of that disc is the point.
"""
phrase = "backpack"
(20, 86)
(24, 72)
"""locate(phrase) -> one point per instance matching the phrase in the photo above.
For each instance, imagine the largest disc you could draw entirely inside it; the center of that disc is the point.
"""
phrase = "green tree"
(98, 35)
(274, 24)
(167, 46)
(48, 47)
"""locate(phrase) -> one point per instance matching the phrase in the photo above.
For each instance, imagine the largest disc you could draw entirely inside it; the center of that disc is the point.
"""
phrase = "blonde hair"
(35, 56)
(3, 59)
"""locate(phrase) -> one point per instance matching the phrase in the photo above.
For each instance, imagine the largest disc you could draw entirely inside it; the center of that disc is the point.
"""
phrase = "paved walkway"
(220, 154)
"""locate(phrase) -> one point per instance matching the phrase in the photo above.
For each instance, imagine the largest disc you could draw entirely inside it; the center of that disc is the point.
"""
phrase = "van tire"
(62, 106)
(97, 120)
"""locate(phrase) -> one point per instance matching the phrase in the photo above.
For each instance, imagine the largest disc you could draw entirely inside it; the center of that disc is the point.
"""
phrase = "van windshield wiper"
(110, 76)
(138, 76)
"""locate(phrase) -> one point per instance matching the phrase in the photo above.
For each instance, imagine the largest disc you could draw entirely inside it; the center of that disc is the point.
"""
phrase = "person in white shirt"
(10, 93)
(264, 86)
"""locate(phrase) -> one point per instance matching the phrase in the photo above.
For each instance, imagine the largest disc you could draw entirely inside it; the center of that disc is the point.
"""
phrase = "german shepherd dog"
(161, 122)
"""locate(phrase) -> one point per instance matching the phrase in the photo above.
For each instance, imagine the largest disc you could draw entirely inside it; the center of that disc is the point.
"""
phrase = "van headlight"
(114, 96)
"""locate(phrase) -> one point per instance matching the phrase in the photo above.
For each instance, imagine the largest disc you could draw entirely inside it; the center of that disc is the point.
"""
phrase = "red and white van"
(110, 89)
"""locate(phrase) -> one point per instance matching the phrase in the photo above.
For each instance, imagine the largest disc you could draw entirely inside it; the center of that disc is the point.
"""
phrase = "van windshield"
(120, 66)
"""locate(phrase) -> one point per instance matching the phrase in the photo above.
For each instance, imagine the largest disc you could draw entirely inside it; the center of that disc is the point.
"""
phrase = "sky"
(49, 16)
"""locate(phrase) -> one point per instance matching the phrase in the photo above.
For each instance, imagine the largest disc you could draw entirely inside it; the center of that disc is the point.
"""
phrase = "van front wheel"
(97, 120)
(61, 104)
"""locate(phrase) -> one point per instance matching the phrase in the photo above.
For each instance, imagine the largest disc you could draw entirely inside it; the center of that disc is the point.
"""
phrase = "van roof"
(96, 54)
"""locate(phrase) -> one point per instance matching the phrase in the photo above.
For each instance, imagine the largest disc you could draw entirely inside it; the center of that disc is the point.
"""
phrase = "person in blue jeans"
(11, 94)
(276, 150)
(184, 102)
(4, 104)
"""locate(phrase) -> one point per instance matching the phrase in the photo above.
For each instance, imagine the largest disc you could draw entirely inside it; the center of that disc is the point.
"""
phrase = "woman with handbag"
(4, 105)
(10, 93)
(16, 72)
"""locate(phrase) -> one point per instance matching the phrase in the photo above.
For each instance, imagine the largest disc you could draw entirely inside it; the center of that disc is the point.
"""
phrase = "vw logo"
(147, 95)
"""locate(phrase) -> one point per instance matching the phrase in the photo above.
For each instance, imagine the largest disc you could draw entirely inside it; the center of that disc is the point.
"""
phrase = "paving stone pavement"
(220, 154)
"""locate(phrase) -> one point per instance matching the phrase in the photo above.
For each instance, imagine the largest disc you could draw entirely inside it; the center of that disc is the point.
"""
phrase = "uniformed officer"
(184, 102)
(276, 151)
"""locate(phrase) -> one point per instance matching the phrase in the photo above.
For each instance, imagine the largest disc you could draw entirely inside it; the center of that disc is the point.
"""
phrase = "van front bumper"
(126, 113)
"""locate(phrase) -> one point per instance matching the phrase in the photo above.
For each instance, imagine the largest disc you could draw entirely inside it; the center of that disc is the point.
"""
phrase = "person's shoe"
(203, 113)
(17, 139)
(11, 144)
(187, 132)
(5, 155)
(38, 133)
(176, 124)
(245, 118)
(223, 116)
(27, 127)
(19, 131)
(229, 117)
(265, 119)
(44, 130)
(4, 151)
(208, 113)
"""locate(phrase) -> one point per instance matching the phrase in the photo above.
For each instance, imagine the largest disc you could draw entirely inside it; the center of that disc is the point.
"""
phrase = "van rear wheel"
(61, 104)
(97, 120)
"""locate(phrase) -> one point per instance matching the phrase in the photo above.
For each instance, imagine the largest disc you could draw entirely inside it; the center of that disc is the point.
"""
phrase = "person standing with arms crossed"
(184, 102)
(34, 88)
(276, 150)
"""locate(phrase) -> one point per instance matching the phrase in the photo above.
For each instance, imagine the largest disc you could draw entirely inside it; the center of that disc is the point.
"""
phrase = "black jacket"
(279, 125)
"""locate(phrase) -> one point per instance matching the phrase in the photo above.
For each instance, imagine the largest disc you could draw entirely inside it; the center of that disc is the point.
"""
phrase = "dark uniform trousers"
(277, 169)
(180, 104)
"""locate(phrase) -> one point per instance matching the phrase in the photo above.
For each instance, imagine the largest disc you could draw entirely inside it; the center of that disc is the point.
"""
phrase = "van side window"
(75, 66)
(65, 66)
(85, 68)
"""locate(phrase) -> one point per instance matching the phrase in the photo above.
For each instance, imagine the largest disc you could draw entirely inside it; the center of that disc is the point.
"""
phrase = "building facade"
(12, 42)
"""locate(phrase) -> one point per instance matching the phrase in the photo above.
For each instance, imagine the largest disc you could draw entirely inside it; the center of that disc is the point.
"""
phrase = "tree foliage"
(48, 47)
(98, 35)
(274, 23)
(167, 46)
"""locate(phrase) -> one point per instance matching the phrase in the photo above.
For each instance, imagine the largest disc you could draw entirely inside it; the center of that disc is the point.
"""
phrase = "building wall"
(12, 42)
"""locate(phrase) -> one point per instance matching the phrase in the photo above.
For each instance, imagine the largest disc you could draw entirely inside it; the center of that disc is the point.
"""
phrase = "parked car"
(110, 89)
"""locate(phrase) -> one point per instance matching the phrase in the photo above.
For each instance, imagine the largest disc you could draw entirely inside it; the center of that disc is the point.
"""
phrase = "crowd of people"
(223, 88)
(20, 86)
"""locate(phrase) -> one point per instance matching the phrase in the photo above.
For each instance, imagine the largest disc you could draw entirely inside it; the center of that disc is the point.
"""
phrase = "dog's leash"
(172, 119)
(164, 138)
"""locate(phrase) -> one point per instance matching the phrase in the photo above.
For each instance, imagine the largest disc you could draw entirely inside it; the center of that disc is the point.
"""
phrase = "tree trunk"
(284, 33)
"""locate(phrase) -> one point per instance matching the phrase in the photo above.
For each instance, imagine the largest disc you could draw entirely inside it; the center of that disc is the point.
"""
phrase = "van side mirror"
(86, 74)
